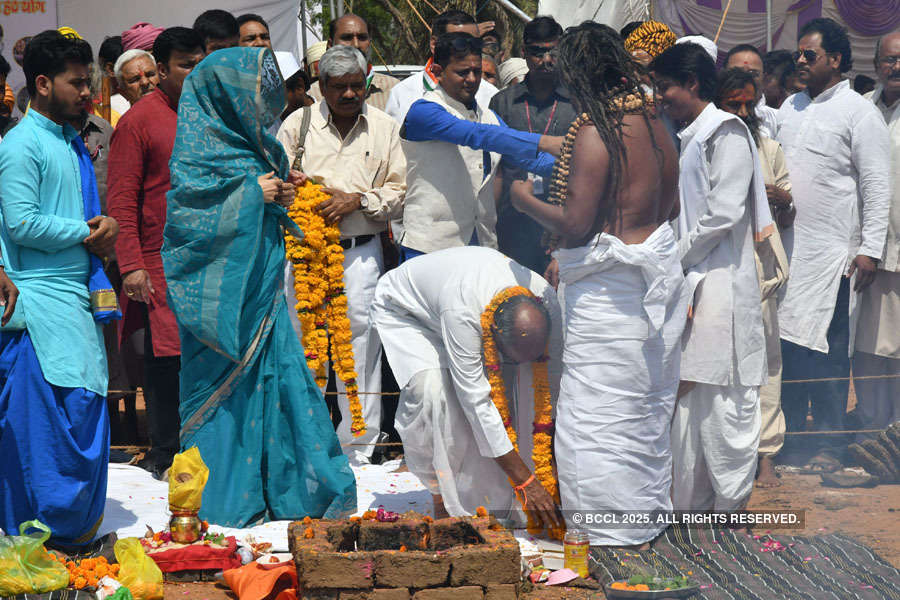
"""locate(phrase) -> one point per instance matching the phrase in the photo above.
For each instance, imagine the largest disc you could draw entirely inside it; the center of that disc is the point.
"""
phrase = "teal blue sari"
(248, 400)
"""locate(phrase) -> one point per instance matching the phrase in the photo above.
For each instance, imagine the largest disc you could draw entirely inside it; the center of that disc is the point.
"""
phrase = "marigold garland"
(318, 263)
(542, 440)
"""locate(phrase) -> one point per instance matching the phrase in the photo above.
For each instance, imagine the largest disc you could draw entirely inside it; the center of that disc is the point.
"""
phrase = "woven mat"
(734, 565)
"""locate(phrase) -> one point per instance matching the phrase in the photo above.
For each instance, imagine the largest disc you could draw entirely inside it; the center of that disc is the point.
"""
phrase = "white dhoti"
(624, 308)
(715, 438)
(363, 265)
(441, 450)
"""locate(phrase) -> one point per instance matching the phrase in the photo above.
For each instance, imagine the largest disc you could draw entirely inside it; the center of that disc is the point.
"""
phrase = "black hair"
(332, 25)
(216, 24)
(181, 39)
(863, 83)
(48, 54)
(834, 39)
(505, 317)
(458, 44)
(251, 18)
(743, 48)
(110, 49)
(4, 66)
(737, 79)
(626, 31)
(779, 64)
(683, 62)
(450, 17)
(292, 82)
(541, 29)
(597, 70)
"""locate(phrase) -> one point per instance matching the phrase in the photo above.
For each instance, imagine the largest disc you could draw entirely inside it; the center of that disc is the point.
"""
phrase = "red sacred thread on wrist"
(521, 488)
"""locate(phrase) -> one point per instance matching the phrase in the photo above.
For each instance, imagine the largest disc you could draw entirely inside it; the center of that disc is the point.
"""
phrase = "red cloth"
(253, 582)
(198, 557)
(138, 179)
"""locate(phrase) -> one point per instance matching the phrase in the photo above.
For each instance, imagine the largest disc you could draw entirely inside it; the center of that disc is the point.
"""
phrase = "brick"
(389, 594)
(343, 535)
(503, 591)
(354, 595)
(411, 569)
(450, 532)
(472, 592)
(320, 594)
(347, 570)
(375, 535)
(485, 565)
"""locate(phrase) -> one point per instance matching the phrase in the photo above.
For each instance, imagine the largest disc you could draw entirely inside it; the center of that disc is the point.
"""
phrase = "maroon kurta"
(138, 181)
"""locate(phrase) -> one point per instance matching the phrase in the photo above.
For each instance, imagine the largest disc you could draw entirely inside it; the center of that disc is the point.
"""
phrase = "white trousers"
(715, 438)
(363, 265)
(878, 400)
(440, 448)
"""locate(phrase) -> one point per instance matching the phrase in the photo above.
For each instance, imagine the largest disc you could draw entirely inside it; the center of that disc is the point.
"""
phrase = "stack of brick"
(413, 558)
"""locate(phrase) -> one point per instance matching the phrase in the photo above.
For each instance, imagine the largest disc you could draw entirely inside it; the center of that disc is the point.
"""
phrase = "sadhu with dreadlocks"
(618, 269)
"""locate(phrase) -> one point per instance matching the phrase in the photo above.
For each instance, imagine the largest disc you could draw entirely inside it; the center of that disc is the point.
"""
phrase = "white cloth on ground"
(837, 152)
(723, 209)
(625, 310)
(363, 265)
(715, 436)
(427, 313)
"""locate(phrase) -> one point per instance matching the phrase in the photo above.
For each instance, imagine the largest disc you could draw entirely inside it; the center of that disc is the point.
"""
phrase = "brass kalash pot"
(185, 527)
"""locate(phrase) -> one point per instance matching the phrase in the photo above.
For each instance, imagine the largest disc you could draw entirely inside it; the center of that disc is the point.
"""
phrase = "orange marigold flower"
(309, 533)
(481, 511)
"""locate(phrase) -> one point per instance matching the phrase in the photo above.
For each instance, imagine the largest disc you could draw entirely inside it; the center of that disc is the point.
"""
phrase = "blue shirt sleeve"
(430, 121)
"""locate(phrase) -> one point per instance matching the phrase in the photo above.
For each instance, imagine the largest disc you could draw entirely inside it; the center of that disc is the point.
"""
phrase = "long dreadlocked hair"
(597, 69)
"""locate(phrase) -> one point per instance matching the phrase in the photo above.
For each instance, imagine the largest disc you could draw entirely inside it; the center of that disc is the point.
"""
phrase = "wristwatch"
(363, 202)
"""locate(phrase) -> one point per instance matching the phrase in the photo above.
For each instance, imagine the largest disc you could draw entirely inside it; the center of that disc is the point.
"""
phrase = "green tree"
(399, 35)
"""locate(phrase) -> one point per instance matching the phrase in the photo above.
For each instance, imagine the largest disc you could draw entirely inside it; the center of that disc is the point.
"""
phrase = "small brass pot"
(185, 527)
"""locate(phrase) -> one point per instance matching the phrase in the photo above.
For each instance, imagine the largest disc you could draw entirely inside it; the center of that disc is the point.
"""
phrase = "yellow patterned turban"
(66, 30)
(652, 37)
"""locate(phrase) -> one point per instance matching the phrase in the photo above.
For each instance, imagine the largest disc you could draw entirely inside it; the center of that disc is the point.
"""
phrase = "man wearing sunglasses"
(453, 144)
(836, 146)
(537, 105)
(878, 330)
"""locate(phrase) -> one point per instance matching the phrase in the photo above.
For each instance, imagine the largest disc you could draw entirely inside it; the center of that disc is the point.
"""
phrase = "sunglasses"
(541, 51)
(809, 56)
(889, 61)
(466, 44)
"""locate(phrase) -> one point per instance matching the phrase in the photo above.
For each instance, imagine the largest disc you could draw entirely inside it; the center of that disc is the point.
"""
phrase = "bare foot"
(766, 477)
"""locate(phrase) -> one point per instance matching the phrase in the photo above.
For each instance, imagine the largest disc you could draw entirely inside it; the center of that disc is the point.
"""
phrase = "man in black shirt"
(539, 105)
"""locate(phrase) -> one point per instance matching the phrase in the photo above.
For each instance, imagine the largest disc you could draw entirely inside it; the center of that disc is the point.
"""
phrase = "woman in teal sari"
(248, 400)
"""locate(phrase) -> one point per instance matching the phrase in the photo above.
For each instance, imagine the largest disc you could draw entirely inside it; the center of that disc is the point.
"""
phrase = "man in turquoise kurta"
(54, 426)
(248, 400)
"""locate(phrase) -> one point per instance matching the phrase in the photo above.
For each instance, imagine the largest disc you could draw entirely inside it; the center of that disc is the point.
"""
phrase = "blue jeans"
(828, 399)
(407, 253)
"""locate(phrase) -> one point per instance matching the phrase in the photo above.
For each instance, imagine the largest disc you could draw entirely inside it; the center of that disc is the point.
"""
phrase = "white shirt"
(428, 314)
(838, 155)
(724, 342)
(891, 114)
(414, 87)
(768, 118)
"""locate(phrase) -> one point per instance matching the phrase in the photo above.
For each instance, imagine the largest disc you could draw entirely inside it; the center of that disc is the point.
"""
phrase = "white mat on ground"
(135, 500)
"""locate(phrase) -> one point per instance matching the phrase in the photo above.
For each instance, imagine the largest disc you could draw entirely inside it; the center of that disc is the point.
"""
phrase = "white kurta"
(719, 186)
(715, 429)
(837, 152)
(427, 313)
(625, 307)
(414, 87)
(768, 118)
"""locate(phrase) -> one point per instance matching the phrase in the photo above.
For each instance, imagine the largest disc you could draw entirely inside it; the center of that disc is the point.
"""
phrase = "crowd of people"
(614, 283)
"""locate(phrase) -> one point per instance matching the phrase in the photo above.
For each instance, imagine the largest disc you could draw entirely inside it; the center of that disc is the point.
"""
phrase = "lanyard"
(549, 119)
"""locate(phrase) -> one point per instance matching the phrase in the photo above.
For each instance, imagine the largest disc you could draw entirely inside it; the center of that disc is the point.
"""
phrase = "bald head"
(350, 30)
(521, 328)
(887, 66)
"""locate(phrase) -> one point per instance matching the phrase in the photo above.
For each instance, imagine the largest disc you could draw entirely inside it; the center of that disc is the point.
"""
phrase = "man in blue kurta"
(54, 426)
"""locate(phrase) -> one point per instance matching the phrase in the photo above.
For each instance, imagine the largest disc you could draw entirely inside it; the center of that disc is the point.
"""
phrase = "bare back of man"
(647, 189)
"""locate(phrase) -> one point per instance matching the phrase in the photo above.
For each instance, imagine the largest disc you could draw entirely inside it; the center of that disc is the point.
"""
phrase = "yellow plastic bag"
(187, 478)
(25, 565)
(137, 571)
